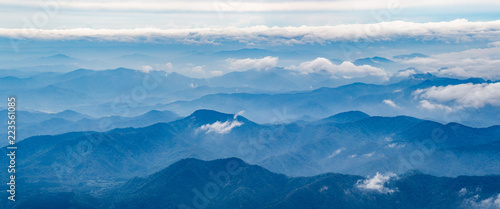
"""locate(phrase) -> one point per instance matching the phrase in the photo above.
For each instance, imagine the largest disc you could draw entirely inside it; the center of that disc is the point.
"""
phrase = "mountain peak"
(122, 69)
(60, 56)
(203, 117)
(347, 117)
(159, 114)
(187, 161)
(70, 114)
(210, 116)
(410, 56)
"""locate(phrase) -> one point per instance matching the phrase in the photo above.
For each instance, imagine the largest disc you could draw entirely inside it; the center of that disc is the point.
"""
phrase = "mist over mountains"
(148, 138)
(252, 104)
(39, 123)
(372, 132)
(266, 96)
(349, 143)
(231, 182)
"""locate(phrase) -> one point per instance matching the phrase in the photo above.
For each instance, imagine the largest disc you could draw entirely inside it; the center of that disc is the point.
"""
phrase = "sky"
(283, 21)
(98, 14)
(461, 38)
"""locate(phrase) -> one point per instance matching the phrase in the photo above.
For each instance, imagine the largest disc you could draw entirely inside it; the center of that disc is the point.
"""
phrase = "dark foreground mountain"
(232, 183)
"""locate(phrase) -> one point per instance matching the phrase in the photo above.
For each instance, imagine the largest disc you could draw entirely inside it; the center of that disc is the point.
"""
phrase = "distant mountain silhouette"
(345, 117)
(232, 183)
(350, 143)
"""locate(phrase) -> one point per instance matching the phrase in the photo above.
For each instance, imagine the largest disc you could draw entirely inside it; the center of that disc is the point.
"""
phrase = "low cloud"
(376, 183)
(345, 70)
(459, 30)
(460, 96)
(395, 145)
(146, 68)
(240, 113)
(489, 203)
(337, 152)
(425, 104)
(265, 63)
(405, 73)
(469, 63)
(220, 128)
(368, 154)
(195, 71)
(390, 103)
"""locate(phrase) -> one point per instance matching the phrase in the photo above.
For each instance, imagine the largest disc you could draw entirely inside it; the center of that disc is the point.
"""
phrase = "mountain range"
(348, 143)
(39, 123)
(265, 95)
(232, 183)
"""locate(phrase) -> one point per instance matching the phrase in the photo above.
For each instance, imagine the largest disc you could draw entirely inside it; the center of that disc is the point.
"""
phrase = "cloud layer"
(489, 203)
(461, 96)
(265, 63)
(454, 31)
(469, 63)
(345, 70)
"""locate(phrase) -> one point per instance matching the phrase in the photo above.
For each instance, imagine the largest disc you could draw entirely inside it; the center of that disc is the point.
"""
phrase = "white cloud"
(432, 106)
(405, 73)
(469, 63)
(376, 183)
(197, 71)
(146, 68)
(323, 189)
(461, 96)
(190, 70)
(265, 63)
(395, 145)
(454, 31)
(489, 203)
(368, 154)
(220, 128)
(390, 103)
(241, 112)
(462, 192)
(167, 67)
(337, 152)
(216, 73)
(346, 69)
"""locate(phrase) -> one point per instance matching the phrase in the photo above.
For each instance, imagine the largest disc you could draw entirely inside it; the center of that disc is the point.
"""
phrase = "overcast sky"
(98, 14)
(462, 38)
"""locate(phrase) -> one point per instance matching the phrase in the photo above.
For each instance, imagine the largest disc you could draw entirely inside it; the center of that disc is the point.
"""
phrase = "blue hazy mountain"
(257, 79)
(232, 183)
(410, 56)
(322, 102)
(373, 61)
(82, 88)
(357, 144)
(37, 123)
(345, 117)
(259, 92)
(57, 59)
(36, 117)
